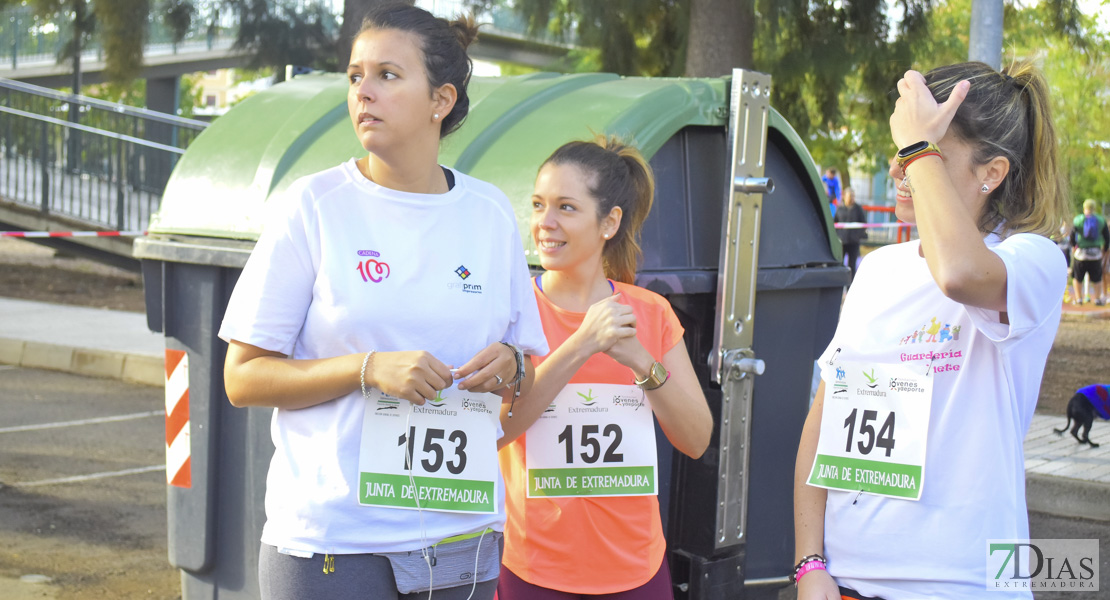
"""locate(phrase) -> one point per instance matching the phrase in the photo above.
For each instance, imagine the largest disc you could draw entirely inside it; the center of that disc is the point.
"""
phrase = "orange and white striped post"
(178, 448)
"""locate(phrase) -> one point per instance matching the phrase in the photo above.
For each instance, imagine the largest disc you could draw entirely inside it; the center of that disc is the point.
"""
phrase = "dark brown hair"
(444, 45)
(1008, 114)
(619, 176)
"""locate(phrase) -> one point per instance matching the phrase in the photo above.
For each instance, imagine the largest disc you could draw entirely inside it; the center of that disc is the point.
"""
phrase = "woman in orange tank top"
(578, 454)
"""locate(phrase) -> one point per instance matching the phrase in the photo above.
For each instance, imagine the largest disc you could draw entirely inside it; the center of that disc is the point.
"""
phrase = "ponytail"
(1009, 114)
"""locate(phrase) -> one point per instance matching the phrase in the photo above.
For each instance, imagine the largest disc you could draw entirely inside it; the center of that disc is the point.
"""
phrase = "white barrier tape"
(57, 234)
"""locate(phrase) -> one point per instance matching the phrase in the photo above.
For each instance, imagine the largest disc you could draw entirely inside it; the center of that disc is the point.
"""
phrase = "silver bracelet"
(362, 373)
(518, 354)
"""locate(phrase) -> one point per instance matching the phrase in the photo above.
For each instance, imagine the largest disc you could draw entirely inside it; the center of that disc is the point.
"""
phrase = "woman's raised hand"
(480, 373)
(606, 323)
(414, 375)
(917, 115)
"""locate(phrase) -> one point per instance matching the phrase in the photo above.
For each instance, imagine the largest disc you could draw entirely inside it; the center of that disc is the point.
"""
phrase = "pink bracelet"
(812, 565)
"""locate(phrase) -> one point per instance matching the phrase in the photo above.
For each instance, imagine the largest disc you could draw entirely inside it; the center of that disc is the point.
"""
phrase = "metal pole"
(44, 173)
(15, 41)
(120, 212)
(985, 42)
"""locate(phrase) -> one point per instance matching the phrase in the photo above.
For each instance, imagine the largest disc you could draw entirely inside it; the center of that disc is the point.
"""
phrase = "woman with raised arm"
(579, 452)
(383, 313)
(911, 457)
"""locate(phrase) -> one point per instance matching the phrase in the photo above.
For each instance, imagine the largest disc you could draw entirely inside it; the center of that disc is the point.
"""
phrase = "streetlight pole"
(985, 43)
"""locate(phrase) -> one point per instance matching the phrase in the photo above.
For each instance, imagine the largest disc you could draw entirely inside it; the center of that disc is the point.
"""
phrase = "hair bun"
(465, 29)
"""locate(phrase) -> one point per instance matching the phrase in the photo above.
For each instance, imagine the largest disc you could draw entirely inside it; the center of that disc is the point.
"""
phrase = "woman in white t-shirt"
(911, 458)
(385, 313)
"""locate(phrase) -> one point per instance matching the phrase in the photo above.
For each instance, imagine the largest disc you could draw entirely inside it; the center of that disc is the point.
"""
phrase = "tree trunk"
(721, 37)
(353, 13)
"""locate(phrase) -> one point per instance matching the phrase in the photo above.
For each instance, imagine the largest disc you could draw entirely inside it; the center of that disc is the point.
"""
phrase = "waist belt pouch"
(453, 566)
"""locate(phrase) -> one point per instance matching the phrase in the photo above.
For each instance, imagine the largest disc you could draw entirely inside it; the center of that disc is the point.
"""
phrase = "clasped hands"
(417, 375)
(610, 328)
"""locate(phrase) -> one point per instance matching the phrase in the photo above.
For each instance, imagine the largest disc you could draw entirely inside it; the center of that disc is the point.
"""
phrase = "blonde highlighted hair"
(619, 176)
(1008, 114)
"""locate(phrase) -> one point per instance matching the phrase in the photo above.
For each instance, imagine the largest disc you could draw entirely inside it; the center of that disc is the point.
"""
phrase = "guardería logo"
(588, 399)
(1042, 565)
(933, 332)
(462, 272)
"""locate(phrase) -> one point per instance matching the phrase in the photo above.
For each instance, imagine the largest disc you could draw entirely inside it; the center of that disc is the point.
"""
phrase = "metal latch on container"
(732, 361)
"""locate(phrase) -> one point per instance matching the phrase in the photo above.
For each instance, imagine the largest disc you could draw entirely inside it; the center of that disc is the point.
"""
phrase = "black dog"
(1082, 409)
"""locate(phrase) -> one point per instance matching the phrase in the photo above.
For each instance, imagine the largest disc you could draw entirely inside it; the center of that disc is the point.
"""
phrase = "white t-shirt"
(988, 376)
(346, 266)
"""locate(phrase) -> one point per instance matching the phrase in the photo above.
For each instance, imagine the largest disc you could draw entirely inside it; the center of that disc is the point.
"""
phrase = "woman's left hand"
(481, 372)
(917, 115)
(629, 352)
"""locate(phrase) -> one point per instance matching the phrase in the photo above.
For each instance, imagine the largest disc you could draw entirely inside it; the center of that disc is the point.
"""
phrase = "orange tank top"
(587, 545)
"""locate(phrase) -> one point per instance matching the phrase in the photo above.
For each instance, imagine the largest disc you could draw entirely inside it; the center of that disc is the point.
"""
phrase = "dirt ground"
(29, 271)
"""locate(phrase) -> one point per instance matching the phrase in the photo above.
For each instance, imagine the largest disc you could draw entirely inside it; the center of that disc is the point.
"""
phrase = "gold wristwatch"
(656, 377)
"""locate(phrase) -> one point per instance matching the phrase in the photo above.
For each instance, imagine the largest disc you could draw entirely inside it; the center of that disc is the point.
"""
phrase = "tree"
(631, 37)
(286, 32)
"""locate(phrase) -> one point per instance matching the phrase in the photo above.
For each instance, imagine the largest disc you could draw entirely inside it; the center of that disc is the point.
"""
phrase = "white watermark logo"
(1042, 565)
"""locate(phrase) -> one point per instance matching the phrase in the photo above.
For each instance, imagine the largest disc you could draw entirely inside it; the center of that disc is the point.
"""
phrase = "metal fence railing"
(85, 159)
(28, 38)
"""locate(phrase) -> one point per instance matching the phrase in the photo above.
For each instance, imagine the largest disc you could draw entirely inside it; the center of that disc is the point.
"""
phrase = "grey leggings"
(284, 577)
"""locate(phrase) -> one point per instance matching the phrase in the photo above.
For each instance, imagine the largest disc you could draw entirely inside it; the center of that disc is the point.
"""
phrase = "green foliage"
(123, 26)
(189, 95)
(835, 65)
(131, 93)
(287, 32)
(630, 37)
(511, 69)
(178, 16)
(1075, 59)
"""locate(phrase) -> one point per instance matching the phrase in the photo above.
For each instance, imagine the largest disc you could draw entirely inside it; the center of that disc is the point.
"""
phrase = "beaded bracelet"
(362, 373)
(813, 565)
(804, 567)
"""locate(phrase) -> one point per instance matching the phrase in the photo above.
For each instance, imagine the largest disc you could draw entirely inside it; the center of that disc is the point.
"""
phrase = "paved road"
(83, 498)
(82, 493)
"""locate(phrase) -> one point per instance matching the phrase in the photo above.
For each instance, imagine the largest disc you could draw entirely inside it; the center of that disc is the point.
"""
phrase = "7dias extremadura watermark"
(1042, 565)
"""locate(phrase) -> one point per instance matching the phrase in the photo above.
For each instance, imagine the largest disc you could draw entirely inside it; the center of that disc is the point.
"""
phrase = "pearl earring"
(986, 188)
(606, 236)
(435, 117)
